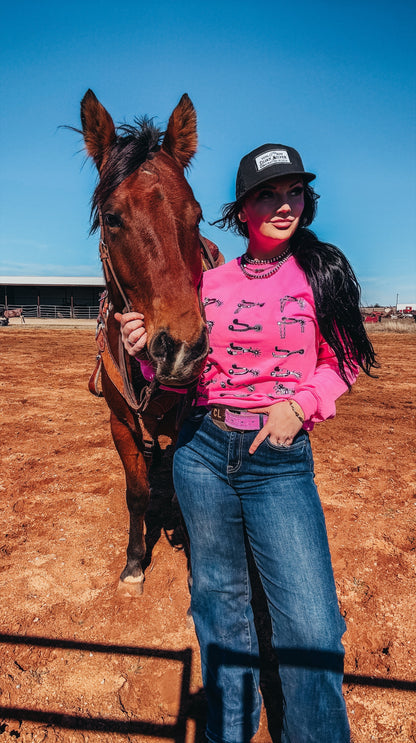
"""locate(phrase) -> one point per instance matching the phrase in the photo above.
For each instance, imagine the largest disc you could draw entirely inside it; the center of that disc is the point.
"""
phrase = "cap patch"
(271, 157)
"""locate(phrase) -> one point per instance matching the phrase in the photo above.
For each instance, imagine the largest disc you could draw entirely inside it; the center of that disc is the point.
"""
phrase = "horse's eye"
(112, 220)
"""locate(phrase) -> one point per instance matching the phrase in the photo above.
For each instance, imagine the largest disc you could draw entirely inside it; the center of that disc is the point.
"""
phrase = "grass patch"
(392, 326)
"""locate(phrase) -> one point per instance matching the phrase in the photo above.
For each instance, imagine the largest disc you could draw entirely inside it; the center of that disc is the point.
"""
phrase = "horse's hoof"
(131, 586)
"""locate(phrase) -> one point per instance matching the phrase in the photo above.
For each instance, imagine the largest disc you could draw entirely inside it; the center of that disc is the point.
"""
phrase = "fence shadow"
(191, 706)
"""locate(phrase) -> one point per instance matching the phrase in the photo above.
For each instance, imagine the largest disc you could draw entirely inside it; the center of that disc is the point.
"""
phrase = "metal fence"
(76, 312)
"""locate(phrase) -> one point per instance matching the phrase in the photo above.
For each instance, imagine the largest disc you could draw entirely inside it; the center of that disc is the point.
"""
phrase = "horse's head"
(149, 224)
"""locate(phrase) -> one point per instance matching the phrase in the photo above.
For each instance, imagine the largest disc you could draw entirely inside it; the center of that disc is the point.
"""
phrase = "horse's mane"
(133, 145)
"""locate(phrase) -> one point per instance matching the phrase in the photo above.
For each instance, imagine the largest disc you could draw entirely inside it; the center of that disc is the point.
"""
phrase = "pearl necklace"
(247, 264)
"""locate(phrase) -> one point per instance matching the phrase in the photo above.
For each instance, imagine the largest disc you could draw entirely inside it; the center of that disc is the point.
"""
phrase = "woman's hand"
(282, 425)
(133, 333)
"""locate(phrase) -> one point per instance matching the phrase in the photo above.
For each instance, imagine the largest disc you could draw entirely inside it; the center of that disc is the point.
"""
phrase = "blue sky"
(334, 80)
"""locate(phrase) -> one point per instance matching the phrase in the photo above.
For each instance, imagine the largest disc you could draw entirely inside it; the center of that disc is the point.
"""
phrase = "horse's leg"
(137, 496)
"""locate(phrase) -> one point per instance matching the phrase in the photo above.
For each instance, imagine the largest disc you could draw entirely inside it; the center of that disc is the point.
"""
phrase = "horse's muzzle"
(176, 362)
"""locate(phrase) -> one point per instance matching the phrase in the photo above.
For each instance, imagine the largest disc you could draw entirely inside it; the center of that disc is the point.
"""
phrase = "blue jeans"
(271, 495)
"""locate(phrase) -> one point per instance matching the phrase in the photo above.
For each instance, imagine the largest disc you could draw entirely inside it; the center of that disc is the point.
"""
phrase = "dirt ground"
(80, 663)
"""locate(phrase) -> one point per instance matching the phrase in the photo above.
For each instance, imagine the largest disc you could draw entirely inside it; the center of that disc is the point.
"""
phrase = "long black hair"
(333, 282)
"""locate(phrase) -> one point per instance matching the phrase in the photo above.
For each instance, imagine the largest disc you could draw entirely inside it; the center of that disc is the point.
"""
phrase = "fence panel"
(55, 311)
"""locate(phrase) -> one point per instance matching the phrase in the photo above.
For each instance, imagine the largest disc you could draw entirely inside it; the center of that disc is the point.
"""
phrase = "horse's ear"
(181, 139)
(98, 128)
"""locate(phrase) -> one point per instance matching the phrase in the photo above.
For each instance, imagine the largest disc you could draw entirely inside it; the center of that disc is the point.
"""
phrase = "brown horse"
(153, 258)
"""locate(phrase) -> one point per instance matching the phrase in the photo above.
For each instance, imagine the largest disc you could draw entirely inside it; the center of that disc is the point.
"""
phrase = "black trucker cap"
(266, 162)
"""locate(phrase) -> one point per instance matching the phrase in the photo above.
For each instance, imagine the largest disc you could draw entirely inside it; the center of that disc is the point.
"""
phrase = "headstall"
(150, 392)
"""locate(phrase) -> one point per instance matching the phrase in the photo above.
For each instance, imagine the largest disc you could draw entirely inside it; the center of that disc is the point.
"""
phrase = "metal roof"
(52, 281)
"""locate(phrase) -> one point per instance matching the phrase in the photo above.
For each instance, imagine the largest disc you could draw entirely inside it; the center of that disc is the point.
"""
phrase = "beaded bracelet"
(298, 415)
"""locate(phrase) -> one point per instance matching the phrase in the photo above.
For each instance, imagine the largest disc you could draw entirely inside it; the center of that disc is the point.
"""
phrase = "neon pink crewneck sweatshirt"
(265, 343)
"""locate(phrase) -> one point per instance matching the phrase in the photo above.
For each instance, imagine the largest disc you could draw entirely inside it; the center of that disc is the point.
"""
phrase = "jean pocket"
(296, 447)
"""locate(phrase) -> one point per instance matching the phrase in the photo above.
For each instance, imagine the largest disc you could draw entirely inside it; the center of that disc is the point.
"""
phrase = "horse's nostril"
(162, 346)
(177, 361)
(202, 345)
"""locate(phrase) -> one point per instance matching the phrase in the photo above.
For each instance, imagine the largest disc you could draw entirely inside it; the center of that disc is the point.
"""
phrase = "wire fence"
(54, 311)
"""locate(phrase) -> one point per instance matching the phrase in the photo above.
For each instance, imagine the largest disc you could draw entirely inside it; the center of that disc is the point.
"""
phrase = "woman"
(286, 341)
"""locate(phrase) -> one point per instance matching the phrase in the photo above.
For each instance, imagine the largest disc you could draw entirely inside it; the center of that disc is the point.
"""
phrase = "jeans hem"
(212, 738)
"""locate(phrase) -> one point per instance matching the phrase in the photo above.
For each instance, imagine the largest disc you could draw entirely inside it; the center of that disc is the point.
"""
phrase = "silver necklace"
(247, 265)
(261, 261)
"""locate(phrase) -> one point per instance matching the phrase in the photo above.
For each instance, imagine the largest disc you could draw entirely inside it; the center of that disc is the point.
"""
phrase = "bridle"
(162, 398)
(108, 268)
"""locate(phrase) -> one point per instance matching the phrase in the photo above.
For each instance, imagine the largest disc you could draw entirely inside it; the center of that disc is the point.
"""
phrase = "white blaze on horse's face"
(150, 223)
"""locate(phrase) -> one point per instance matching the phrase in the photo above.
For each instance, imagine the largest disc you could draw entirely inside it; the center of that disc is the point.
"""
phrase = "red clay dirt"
(80, 663)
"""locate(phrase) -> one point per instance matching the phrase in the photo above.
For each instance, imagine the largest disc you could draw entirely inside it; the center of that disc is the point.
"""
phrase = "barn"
(52, 296)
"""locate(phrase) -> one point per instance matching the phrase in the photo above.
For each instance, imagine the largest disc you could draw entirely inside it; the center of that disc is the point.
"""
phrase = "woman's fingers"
(280, 440)
(282, 426)
(127, 317)
(262, 434)
(135, 342)
(133, 332)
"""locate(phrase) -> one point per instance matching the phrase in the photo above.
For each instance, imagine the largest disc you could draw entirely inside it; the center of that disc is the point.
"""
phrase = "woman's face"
(272, 213)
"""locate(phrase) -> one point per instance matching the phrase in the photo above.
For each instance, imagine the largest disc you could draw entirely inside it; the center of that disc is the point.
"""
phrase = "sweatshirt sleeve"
(318, 394)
